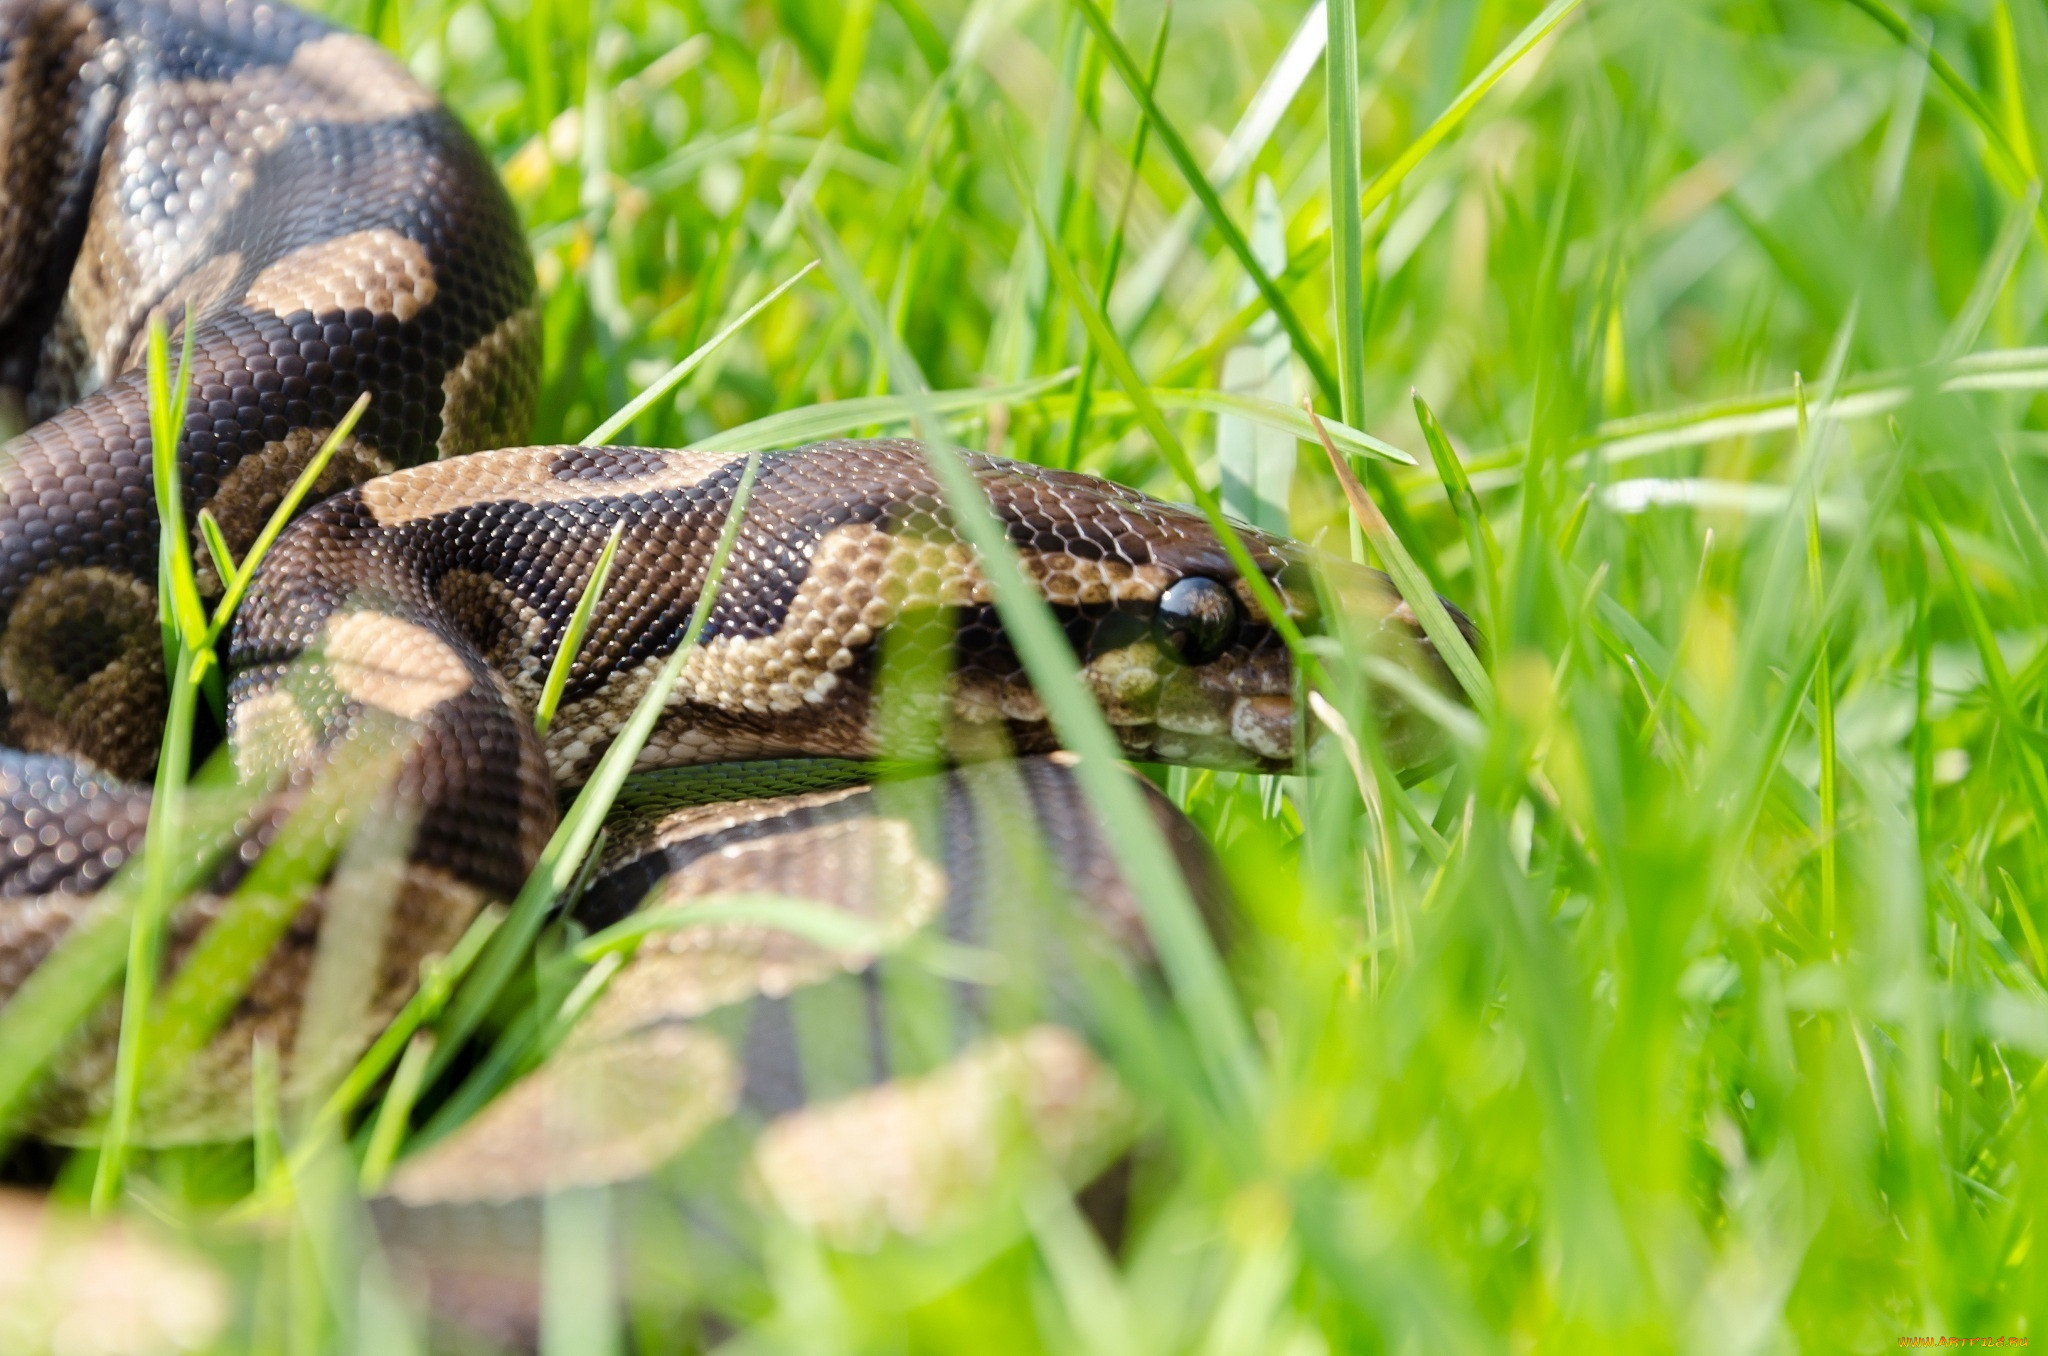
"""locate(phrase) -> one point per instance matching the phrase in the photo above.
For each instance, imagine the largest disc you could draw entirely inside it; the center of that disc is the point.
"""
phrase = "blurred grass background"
(1698, 1003)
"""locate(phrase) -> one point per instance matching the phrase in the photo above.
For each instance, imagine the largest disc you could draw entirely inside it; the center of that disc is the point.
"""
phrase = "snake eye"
(1196, 620)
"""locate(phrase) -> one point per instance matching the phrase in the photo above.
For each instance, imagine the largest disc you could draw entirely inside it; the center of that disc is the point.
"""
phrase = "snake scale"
(333, 230)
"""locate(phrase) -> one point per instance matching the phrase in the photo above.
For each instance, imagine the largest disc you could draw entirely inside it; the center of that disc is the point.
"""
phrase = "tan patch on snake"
(392, 664)
(253, 488)
(636, 837)
(82, 662)
(358, 80)
(487, 401)
(102, 1287)
(869, 868)
(378, 270)
(518, 473)
(269, 731)
(596, 1113)
(909, 1156)
(212, 133)
(861, 580)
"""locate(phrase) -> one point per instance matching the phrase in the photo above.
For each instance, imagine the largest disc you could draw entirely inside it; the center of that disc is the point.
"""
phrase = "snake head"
(1175, 644)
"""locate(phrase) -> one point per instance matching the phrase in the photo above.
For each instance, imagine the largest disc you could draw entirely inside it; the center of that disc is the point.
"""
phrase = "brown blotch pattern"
(253, 488)
(487, 399)
(83, 664)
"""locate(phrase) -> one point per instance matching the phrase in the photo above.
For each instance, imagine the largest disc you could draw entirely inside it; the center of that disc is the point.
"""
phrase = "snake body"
(333, 230)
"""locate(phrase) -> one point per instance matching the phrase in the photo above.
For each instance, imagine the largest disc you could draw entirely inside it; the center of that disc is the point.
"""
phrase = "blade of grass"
(672, 378)
(840, 416)
(216, 545)
(2012, 106)
(572, 636)
(1992, 277)
(1113, 256)
(1917, 584)
(145, 931)
(2007, 163)
(1192, 967)
(438, 977)
(394, 1112)
(1413, 584)
(1479, 538)
(168, 393)
(1265, 413)
(1862, 397)
(1390, 178)
(1277, 91)
(1198, 183)
(1996, 677)
(563, 856)
(1347, 740)
(2026, 920)
(829, 927)
(1347, 228)
(1823, 700)
(237, 586)
(178, 587)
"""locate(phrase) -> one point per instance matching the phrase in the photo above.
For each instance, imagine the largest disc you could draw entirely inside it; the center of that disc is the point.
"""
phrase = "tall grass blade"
(1276, 93)
(1304, 347)
(1112, 258)
(237, 586)
(1992, 277)
(790, 427)
(2006, 160)
(1414, 586)
(1483, 546)
(674, 377)
(1347, 228)
(1257, 463)
(832, 928)
(1387, 180)
(178, 588)
(217, 548)
(1997, 677)
(394, 1112)
(572, 635)
(167, 399)
(1262, 412)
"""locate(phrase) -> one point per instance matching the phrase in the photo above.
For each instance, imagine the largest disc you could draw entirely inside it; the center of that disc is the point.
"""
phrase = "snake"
(317, 226)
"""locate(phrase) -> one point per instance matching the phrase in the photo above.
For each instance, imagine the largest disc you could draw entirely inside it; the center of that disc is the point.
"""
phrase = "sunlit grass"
(1696, 1000)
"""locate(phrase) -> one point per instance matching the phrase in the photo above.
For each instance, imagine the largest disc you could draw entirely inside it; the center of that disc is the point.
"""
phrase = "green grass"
(1698, 1000)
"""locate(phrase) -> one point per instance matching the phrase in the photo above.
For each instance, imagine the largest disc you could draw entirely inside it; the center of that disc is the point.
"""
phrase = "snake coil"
(332, 230)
